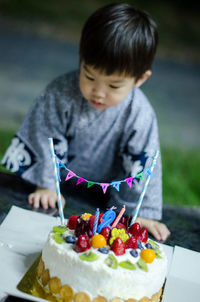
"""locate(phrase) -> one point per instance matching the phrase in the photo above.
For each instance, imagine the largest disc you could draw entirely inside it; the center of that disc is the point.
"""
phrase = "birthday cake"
(92, 260)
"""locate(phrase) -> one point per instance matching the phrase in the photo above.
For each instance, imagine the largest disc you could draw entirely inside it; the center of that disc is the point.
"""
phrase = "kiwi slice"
(89, 256)
(58, 238)
(111, 261)
(156, 248)
(154, 245)
(127, 264)
(158, 254)
(59, 229)
(142, 265)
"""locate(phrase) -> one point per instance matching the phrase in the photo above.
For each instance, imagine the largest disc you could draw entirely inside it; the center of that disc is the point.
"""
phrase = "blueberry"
(134, 253)
(148, 245)
(70, 239)
(139, 245)
(103, 250)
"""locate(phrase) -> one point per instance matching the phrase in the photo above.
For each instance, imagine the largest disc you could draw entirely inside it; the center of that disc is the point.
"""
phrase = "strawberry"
(82, 244)
(134, 229)
(131, 243)
(72, 221)
(106, 233)
(143, 235)
(125, 221)
(92, 218)
(118, 246)
(120, 226)
(100, 218)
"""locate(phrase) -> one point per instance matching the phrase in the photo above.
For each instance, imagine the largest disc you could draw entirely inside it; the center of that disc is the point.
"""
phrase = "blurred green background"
(179, 30)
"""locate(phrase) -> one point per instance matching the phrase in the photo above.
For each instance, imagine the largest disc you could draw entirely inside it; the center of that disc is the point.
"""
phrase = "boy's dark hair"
(119, 38)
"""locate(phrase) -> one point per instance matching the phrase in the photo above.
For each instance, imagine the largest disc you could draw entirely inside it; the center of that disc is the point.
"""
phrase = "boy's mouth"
(97, 104)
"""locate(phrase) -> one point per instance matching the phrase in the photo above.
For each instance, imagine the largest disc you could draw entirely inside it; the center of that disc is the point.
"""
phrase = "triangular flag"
(148, 171)
(61, 165)
(116, 185)
(139, 175)
(129, 181)
(70, 175)
(104, 187)
(91, 183)
(80, 180)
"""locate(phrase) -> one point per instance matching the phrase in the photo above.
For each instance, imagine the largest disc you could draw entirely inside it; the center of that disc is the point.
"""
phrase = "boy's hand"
(44, 197)
(157, 229)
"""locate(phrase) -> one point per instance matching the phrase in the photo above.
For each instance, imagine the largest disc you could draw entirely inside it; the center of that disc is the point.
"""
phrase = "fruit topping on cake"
(129, 242)
(88, 256)
(121, 233)
(118, 246)
(148, 255)
(98, 241)
(106, 233)
(82, 244)
(72, 221)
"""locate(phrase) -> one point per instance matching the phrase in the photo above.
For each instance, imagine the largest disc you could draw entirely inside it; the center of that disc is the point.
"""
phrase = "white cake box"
(22, 237)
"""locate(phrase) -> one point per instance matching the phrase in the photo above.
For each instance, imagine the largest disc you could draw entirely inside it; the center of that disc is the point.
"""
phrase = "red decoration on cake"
(118, 247)
(72, 222)
(106, 233)
(131, 243)
(134, 229)
(82, 244)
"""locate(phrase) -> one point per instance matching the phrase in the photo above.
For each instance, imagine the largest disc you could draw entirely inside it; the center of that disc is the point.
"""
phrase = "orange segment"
(98, 241)
(86, 216)
(148, 255)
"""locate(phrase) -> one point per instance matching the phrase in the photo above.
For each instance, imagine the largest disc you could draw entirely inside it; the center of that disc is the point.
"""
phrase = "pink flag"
(104, 187)
(80, 180)
(70, 175)
(129, 181)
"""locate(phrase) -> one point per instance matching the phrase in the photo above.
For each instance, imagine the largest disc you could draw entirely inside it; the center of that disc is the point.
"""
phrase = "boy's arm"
(140, 149)
(137, 156)
(29, 152)
(44, 197)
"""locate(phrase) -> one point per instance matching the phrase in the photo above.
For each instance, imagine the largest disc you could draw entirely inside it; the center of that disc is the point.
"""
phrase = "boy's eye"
(114, 87)
(89, 78)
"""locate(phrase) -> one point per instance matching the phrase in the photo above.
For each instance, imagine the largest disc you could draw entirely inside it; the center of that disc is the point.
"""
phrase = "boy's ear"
(143, 78)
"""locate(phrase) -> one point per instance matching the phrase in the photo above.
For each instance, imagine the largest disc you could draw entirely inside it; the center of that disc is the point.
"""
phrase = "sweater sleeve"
(141, 141)
(29, 155)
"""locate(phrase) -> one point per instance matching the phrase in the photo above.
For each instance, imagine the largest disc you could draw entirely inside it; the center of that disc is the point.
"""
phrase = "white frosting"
(98, 279)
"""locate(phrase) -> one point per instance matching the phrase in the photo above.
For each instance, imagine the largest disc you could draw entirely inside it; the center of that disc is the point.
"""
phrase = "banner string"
(115, 184)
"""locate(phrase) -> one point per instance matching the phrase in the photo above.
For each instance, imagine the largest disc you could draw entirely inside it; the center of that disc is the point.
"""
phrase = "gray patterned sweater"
(101, 147)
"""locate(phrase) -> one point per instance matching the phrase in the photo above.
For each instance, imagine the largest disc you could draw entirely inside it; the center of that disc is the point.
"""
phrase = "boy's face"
(103, 91)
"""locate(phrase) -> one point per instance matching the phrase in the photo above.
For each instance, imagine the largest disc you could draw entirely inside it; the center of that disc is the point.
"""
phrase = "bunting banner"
(104, 186)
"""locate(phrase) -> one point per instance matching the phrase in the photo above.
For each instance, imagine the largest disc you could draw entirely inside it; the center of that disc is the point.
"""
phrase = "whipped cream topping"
(98, 279)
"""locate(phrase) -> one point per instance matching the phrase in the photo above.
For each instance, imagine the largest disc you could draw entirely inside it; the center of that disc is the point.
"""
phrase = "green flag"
(91, 183)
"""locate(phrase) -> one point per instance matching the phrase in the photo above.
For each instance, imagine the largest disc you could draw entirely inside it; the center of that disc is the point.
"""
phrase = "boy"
(103, 126)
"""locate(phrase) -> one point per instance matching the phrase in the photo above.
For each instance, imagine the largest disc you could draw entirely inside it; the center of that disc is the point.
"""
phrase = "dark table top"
(183, 222)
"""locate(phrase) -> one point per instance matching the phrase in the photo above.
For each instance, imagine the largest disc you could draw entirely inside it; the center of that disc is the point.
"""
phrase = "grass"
(181, 177)
(180, 172)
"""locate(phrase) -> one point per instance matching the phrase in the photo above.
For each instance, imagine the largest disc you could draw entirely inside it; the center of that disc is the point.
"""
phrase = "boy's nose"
(98, 91)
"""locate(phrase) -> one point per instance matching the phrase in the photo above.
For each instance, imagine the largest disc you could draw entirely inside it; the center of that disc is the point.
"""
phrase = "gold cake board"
(30, 285)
